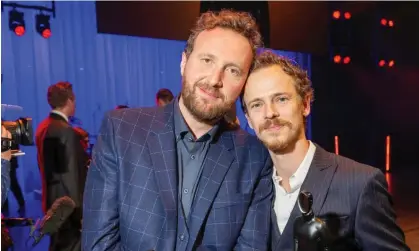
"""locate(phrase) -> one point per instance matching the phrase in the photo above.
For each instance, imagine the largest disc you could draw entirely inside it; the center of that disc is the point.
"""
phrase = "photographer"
(5, 166)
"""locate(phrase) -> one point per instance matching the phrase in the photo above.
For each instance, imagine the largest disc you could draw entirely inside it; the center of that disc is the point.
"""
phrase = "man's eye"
(234, 71)
(282, 99)
(256, 105)
(206, 60)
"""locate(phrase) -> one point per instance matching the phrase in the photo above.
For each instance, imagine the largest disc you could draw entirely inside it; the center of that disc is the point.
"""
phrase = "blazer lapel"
(216, 165)
(319, 177)
(317, 182)
(162, 144)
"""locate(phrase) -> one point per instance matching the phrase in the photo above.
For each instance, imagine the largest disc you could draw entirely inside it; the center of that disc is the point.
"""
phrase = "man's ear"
(248, 121)
(183, 63)
(306, 106)
(68, 102)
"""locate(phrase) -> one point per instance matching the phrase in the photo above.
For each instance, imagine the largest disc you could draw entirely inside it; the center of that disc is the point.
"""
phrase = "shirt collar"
(60, 114)
(181, 128)
(297, 179)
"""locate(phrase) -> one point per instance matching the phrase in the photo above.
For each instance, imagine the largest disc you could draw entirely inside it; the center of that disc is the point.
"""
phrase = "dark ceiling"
(295, 26)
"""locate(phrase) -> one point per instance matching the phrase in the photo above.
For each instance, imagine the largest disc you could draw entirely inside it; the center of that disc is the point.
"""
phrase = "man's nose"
(216, 78)
(271, 111)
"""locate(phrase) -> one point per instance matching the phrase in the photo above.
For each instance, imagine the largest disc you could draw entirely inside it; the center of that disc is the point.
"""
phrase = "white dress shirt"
(284, 202)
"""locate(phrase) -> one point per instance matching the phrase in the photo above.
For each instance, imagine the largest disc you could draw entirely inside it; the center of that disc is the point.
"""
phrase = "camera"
(21, 131)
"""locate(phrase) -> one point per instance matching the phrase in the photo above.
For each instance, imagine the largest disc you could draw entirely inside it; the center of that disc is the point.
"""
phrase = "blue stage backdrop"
(105, 70)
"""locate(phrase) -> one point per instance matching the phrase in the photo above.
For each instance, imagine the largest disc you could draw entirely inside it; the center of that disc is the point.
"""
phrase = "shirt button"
(192, 156)
(185, 190)
(182, 237)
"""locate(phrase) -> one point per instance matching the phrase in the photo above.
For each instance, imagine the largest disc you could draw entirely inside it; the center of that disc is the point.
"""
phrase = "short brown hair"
(165, 95)
(59, 93)
(240, 22)
(301, 81)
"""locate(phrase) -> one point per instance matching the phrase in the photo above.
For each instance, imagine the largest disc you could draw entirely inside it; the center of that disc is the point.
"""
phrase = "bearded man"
(177, 177)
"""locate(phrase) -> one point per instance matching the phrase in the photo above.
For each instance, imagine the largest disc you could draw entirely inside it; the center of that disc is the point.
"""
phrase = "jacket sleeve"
(256, 229)
(375, 221)
(100, 211)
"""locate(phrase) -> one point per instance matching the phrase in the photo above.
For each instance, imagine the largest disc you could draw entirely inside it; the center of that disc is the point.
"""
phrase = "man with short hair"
(178, 177)
(164, 96)
(350, 197)
(5, 164)
(61, 163)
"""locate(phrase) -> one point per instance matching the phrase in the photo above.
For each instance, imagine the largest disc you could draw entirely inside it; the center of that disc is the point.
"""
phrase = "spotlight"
(16, 22)
(381, 63)
(42, 25)
(347, 15)
(391, 63)
(336, 14)
(337, 59)
(391, 23)
(347, 60)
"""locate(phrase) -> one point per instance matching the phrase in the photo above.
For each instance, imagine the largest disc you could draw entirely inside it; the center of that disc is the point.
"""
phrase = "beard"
(201, 109)
(280, 142)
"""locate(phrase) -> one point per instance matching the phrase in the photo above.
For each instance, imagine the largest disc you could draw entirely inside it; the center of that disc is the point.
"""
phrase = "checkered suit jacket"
(131, 196)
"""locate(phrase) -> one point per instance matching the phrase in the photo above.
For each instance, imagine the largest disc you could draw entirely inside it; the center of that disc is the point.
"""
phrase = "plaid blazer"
(131, 193)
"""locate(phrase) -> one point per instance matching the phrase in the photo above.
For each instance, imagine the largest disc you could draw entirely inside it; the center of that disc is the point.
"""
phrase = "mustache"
(274, 122)
(209, 89)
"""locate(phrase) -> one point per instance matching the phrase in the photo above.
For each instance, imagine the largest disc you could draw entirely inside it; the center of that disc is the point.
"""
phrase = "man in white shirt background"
(351, 197)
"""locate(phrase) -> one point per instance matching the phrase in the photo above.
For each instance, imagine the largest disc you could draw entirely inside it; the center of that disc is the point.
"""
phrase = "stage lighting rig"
(16, 22)
(43, 25)
(341, 37)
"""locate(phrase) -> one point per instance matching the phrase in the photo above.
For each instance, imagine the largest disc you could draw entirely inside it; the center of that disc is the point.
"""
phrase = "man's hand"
(6, 134)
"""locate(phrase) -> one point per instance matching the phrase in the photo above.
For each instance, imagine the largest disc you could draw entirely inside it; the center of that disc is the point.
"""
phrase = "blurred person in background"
(6, 156)
(61, 159)
(164, 96)
(14, 184)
